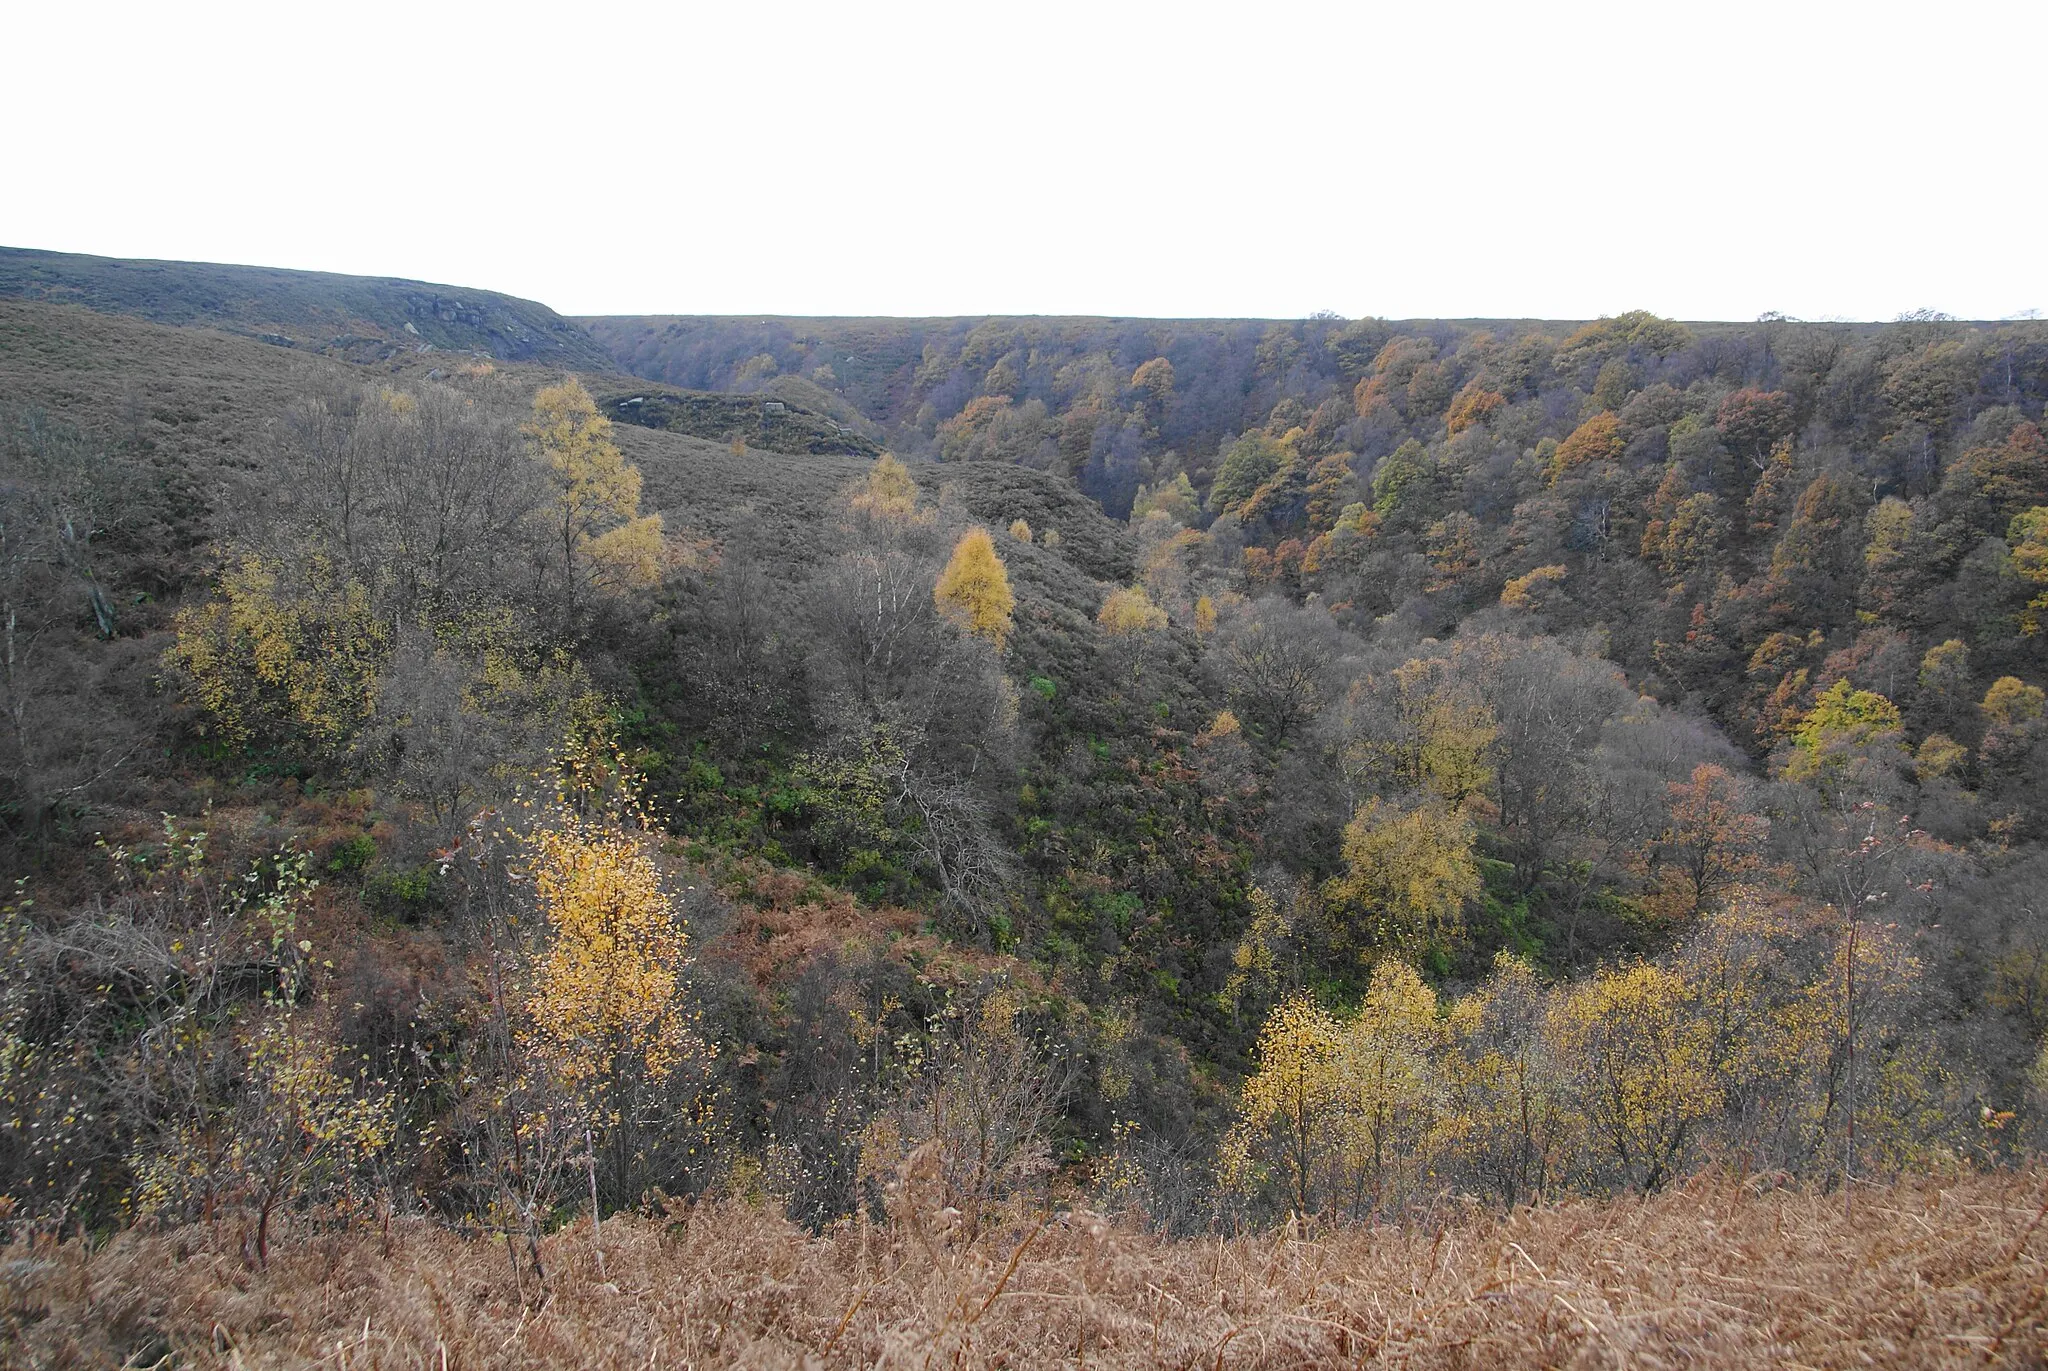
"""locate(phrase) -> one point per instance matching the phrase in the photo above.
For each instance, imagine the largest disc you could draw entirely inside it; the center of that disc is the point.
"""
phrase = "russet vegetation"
(1352, 779)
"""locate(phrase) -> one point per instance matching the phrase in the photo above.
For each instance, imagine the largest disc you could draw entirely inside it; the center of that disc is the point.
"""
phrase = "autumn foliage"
(974, 588)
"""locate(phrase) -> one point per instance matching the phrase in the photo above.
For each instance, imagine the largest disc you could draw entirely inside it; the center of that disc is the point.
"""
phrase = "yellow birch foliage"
(304, 1125)
(1409, 875)
(1288, 1110)
(294, 665)
(1130, 611)
(1507, 1115)
(1254, 962)
(1389, 1079)
(889, 494)
(605, 987)
(1642, 1064)
(974, 589)
(595, 517)
(2028, 536)
(1421, 728)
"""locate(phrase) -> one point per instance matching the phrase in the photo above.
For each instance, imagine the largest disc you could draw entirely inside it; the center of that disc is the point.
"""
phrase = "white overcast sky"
(1558, 160)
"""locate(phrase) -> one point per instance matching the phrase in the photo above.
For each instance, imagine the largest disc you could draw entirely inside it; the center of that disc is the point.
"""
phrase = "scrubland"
(1716, 1272)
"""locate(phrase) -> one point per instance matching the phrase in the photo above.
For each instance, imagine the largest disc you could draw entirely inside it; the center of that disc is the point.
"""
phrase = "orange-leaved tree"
(1713, 842)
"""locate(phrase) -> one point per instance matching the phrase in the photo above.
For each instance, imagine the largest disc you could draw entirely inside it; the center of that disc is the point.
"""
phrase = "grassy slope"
(377, 321)
(1711, 1275)
(794, 428)
(192, 409)
(317, 311)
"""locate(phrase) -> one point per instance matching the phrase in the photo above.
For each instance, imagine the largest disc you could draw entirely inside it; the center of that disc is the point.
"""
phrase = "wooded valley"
(531, 784)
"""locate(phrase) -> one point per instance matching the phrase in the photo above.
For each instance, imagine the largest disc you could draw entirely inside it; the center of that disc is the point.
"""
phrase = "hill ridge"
(360, 317)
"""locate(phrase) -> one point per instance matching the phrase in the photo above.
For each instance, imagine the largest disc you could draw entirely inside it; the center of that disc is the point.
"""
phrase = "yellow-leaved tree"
(1129, 618)
(1849, 737)
(889, 494)
(1420, 728)
(1641, 1063)
(1408, 876)
(1508, 1118)
(282, 662)
(2028, 536)
(593, 517)
(607, 984)
(1130, 611)
(974, 589)
(604, 1014)
(1390, 1082)
(1289, 1110)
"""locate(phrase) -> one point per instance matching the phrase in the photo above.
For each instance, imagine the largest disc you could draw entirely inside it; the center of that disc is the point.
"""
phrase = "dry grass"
(1712, 1274)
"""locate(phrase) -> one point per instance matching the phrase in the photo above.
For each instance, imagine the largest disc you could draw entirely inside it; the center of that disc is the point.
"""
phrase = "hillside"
(1714, 1275)
(1482, 784)
(360, 317)
(771, 424)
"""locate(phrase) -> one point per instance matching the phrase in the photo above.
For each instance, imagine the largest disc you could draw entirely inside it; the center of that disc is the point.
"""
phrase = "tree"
(301, 1127)
(1174, 498)
(603, 1011)
(2016, 725)
(1289, 1106)
(1453, 549)
(273, 663)
(63, 497)
(1389, 1078)
(1129, 619)
(1255, 970)
(1409, 875)
(1535, 591)
(2028, 538)
(1641, 1067)
(1712, 843)
(1894, 560)
(1992, 485)
(912, 698)
(1752, 422)
(975, 1123)
(1153, 381)
(1599, 439)
(1400, 483)
(1945, 683)
(1846, 734)
(1278, 670)
(1251, 462)
(1417, 728)
(594, 515)
(974, 589)
(888, 493)
(1474, 405)
(1508, 1115)
(423, 496)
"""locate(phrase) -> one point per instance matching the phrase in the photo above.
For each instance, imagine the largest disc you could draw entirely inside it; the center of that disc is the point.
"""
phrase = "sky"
(1271, 159)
